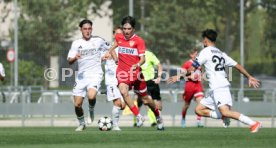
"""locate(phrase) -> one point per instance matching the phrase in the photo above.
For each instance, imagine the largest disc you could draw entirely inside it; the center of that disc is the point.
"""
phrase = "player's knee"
(77, 105)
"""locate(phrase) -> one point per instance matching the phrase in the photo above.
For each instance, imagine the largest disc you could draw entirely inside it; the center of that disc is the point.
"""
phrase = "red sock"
(183, 114)
(156, 112)
(198, 118)
(135, 110)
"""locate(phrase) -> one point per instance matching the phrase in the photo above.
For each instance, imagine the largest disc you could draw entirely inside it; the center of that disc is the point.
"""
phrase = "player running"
(131, 55)
(219, 101)
(192, 89)
(88, 52)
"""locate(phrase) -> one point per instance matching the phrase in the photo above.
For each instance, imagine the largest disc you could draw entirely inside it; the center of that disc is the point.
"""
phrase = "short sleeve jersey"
(129, 52)
(91, 52)
(148, 66)
(215, 62)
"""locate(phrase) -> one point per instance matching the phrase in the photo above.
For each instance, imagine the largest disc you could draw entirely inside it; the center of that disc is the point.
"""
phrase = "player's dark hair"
(130, 20)
(85, 21)
(210, 34)
(115, 28)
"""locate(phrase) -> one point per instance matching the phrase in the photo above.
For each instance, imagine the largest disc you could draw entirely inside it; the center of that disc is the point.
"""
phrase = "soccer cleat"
(160, 125)
(139, 120)
(255, 128)
(226, 122)
(183, 123)
(153, 124)
(116, 128)
(80, 128)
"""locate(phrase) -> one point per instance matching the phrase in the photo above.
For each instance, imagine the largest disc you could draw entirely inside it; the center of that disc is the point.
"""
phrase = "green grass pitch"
(66, 137)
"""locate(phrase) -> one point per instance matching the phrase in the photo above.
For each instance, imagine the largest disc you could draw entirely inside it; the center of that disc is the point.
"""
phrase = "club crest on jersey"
(131, 43)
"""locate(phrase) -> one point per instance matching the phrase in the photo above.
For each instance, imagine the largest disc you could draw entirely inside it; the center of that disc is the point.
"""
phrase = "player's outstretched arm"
(177, 77)
(252, 82)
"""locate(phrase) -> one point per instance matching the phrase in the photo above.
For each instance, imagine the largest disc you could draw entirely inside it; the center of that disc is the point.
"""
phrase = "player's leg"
(79, 93)
(152, 91)
(139, 103)
(198, 97)
(207, 107)
(91, 95)
(227, 112)
(114, 95)
(124, 88)
(78, 100)
(187, 97)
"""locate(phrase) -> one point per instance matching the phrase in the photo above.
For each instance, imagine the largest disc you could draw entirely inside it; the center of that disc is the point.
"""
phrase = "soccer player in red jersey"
(193, 88)
(131, 55)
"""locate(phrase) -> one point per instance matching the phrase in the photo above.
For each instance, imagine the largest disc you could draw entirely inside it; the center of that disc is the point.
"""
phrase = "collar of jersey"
(130, 37)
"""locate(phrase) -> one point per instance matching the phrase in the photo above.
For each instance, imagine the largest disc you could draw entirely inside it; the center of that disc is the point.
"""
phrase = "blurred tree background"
(171, 28)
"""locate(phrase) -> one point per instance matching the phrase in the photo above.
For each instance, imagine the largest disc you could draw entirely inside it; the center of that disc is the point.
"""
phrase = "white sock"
(81, 120)
(215, 114)
(115, 115)
(246, 120)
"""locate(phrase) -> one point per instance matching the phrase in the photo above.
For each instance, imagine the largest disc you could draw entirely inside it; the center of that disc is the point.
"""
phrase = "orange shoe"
(255, 127)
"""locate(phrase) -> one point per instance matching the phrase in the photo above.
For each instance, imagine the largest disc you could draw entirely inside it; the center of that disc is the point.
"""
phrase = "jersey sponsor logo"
(88, 52)
(131, 43)
(130, 51)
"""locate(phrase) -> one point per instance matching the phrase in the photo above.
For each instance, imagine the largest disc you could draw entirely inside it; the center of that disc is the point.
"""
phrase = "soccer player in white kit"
(113, 92)
(88, 52)
(219, 101)
(2, 72)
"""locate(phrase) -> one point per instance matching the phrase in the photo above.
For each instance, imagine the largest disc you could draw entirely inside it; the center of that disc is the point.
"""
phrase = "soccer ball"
(105, 124)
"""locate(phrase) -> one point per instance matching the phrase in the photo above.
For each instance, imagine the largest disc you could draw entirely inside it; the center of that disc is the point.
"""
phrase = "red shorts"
(137, 82)
(192, 89)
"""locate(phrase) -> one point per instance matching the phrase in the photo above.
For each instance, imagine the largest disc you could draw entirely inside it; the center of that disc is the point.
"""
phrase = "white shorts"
(113, 93)
(83, 84)
(217, 98)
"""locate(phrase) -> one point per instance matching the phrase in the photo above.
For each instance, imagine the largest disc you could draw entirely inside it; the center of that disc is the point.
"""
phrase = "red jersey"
(129, 52)
(186, 65)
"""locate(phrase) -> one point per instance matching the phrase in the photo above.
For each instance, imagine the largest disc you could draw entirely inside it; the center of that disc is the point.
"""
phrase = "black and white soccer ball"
(105, 124)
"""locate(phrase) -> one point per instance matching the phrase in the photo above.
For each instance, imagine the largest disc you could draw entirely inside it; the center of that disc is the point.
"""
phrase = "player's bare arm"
(73, 60)
(173, 79)
(141, 62)
(159, 74)
(252, 82)
(109, 53)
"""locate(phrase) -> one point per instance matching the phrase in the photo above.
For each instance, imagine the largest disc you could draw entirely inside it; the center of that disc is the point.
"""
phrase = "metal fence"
(23, 104)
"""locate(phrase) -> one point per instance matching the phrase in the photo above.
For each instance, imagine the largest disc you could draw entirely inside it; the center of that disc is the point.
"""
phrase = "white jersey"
(91, 52)
(2, 70)
(215, 62)
(110, 71)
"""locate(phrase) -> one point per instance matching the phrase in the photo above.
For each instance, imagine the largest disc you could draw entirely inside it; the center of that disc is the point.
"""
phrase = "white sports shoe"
(226, 122)
(139, 120)
(160, 125)
(116, 128)
(89, 121)
(80, 128)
